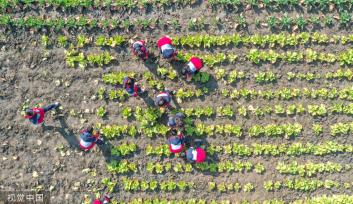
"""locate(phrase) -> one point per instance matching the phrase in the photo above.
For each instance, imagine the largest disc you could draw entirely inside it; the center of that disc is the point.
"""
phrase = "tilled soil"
(28, 72)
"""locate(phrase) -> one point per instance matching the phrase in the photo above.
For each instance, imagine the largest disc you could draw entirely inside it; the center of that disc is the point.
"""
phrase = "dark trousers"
(49, 107)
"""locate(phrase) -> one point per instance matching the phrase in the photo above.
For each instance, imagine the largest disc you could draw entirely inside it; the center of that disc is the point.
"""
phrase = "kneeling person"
(193, 67)
(88, 138)
(176, 142)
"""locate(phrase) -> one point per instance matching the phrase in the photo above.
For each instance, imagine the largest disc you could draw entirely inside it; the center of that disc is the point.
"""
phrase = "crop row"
(257, 57)
(212, 167)
(83, 40)
(130, 5)
(150, 128)
(289, 94)
(323, 199)
(79, 22)
(260, 77)
(115, 78)
(271, 40)
(113, 5)
(303, 185)
(311, 169)
(153, 185)
(74, 58)
(256, 149)
(124, 166)
(314, 110)
(207, 41)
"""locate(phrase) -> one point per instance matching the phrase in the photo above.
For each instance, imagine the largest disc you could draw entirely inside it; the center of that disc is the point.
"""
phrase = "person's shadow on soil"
(65, 131)
(106, 151)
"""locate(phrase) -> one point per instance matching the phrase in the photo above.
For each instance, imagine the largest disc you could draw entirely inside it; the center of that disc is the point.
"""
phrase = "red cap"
(97, 201)
(164, 41)
(201, 155)
(197, 62)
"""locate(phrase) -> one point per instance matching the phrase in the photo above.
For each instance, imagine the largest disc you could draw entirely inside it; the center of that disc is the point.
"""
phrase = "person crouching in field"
(90, 137)
(192, 67)
(176, 121)
(197, 154)
(139, 49)
(131, 87)
(106, 200)
(176, 142)
(163, 99)
(166, 48)
(36, 115)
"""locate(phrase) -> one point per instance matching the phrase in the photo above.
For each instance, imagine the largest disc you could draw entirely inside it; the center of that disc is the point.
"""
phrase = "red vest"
(164, 41)
(200, 156)
(39, 111)
(176, 150)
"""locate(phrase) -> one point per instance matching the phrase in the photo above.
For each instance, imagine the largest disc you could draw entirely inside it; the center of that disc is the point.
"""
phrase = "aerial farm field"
(273, 104)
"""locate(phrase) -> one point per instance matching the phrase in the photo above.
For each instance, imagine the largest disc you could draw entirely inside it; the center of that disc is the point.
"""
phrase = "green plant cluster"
(341, 129)
(160, 168)
(293, 149)
(116, 5)
(124, 149)
(101, 111)
(266, 149)
(160, 150)
(322, 199)
(129, 184)
(290, 94)
(302, 185)
(202, 129)
(271, 40)
(343, 58)
(230, 187)
(273, 130)
(114, 131)
(80, 41)
(74, 58)
(257, 57)
(230, 167)
(311, 169)
(322, 5)
(122, 167)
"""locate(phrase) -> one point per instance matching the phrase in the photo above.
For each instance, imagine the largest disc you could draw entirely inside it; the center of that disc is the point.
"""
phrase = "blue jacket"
(87, 137)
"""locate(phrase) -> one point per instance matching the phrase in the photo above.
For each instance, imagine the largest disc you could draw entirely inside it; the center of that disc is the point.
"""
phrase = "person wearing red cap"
(131, 87)
(192, 67)
(176, 142)
(139, 49)
(163, 99)
(166, 48)
(36, 115)
(197, 154)
(106, 200)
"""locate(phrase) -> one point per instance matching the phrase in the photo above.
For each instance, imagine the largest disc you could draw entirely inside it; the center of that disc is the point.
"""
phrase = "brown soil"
(29, 72)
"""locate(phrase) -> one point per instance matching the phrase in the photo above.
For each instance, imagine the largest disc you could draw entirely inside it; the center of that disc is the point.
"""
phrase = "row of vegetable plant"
(36, 23)
(256, 56)
(201, 129)
(212, 167)
(327, 5)
(304, 185)
(207, 41)
(322, 199)
(131, 184)
(310, 169)
(270, 40)
(264, 149)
